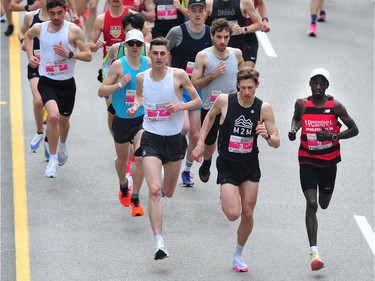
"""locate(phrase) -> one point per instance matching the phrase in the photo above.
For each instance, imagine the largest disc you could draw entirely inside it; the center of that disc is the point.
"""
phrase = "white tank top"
(155, 95)
(51, 65)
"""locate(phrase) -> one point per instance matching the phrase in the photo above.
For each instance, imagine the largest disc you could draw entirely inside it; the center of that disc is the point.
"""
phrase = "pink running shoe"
(239, 265)
(312, 30)
(321, 18)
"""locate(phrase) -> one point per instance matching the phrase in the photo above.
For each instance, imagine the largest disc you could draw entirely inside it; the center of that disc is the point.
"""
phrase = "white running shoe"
(51, 168)
(36, 141)
(161, 251)
(62, 156)
(238, 264)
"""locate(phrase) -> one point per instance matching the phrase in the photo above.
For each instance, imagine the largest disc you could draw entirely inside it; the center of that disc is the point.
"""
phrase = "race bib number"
(189, 68)
(314, 144)
(129, 97)
(157, 112)
(239, 144)
(54, 68)
(166, 12)
(214, 95)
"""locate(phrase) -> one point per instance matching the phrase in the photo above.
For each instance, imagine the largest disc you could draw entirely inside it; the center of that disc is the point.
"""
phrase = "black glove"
(292, 135)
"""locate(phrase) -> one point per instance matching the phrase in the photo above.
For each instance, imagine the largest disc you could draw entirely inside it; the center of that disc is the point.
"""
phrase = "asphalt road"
(77, 229)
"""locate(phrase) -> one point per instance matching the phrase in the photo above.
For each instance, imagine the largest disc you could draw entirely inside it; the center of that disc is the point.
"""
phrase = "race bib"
(157, 112)
(129, 97)
(54, 68)
(166, 12)
(214, 95)
(190, 67)
(314, 144)
(239, 144)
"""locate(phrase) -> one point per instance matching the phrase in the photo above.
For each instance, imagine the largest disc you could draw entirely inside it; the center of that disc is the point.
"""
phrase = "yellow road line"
(21, 229)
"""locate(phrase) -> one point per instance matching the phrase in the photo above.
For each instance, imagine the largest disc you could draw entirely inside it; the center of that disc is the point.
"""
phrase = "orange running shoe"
(124, 198)
(137, 210)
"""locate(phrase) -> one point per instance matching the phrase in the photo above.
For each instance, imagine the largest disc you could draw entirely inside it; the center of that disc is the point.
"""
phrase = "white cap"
(320, 71)
(134, 34)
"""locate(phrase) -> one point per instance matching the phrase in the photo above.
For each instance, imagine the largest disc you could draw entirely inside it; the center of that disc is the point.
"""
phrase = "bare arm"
(148, 11)
(95, 42)
(24, 28)
(110, 83)
(299, 108)
(266, 127)
(17, 6)
(217, 107)
(78, 40)
(188, 86)
(240, 60)
(201, 62)
(262, 10)
(249, 9)
(33, 32)
(352, 130)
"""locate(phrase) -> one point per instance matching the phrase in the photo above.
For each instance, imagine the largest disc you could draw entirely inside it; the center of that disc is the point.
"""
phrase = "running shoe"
(316, 262)
(3, 18)
(62, 156)
(124, 196)
(204, 173)
(9, 30)
(137, 210)
(161, 251)
(238, 264)
(312, 30)
(186, 179)
(36, 141)
(51, 169)
(321, 18)
(46, 151)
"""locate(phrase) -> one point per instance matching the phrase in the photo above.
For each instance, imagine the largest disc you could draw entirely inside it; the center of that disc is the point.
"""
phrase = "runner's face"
(57, 15)
(318, 85)
(197, 13)
(159, 56)
(220, 40)
(247, 89)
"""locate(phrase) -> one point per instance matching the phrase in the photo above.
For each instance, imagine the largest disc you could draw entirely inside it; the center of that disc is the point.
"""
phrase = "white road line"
(266, 43)
(367, 231)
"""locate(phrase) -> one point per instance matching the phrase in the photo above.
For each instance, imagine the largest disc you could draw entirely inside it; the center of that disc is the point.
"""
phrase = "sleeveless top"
(167, 16)
(51, 65)
(312, 151)
(231, 11)
(155, 95)
(237, 140)
(130, 5)
(123, 98)
(113, 32)
(189, 47)
(225, 83)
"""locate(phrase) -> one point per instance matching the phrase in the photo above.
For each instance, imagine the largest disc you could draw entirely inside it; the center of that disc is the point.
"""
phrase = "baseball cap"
(320, 71)
(134, 34)
(197, 2)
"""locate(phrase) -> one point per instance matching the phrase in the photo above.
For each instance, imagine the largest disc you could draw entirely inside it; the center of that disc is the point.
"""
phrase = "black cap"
(197, 2)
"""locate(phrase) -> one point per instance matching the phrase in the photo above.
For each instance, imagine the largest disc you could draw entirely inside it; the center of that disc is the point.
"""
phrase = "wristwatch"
(334, 137)
(244, 29)
(26, 8)
(265, 18)
(71, 54)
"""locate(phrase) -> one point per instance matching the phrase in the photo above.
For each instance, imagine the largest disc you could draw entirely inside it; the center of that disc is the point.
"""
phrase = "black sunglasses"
(131, 43)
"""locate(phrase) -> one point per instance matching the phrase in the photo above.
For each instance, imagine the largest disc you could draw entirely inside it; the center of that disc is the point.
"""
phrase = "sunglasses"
(137, 43)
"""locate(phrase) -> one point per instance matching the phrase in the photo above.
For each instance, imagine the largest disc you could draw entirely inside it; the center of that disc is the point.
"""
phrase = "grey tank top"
(225, 83)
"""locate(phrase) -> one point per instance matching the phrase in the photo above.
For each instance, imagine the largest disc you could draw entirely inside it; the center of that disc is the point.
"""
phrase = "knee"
(232, 215)
(194, 137)
(121, 161)
(247, 215)
(53, 118)
(154, 192)
(311, 206)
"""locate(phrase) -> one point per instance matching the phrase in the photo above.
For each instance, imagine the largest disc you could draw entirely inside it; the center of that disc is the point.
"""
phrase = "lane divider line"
(367, 231)
(21, 230)
(266, 43)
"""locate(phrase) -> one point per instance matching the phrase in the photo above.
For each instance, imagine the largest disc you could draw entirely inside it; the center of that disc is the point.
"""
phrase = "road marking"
(21, 230)
(266, 43)
(367, 231)
(3, 103)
